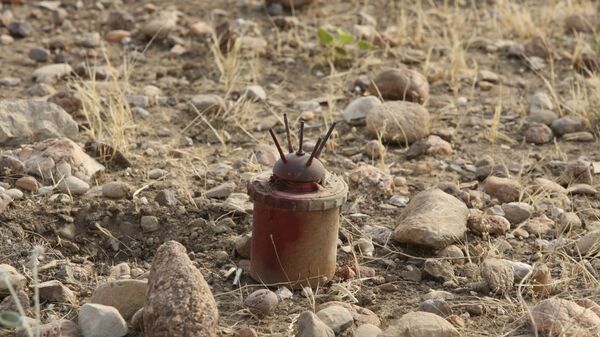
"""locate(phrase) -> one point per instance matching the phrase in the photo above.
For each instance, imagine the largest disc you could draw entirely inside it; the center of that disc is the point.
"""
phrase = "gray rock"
(542, 116)
(336, 317)
(51, 73)
(73, 185)
(140, 112)
(14, 278)
(127, 296)
(157, 173)
(97, 320)
(255, 92)
(520, 270)
(166, 198)
(5, 200)
(115, 190)
(582, 137)
(39, 54)
(577, 172)
(399, 122)
(309, 325)
(422, 324)
(356, 112)
(149, 223)
(439, 269)
(19, 29)
(222, 191)
(517, 212)
(540, 101)
(567, 124)
(208, 103)
(9, 81)
(138, 101)
(120, 20)
(559, 317)
(261, 302)
(589, 243)
(44, 159)
(498, 274)
(366, 330)
(88, 40)
(436, 306)
(179, 301)
(55, 291)
(432, 218)
(538, 133)
(505, 189)
(14, 193)
(360, 315)
(160, 26)
(10, 166)
(22, 121)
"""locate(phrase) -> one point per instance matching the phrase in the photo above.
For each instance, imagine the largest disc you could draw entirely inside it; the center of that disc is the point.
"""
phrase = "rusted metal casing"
(295, 232)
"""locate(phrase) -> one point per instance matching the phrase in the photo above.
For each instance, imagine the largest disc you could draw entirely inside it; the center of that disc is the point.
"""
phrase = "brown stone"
(400, 84)
(179, 302)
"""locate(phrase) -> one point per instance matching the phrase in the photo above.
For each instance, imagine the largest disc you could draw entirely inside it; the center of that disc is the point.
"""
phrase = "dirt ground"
(455, 44)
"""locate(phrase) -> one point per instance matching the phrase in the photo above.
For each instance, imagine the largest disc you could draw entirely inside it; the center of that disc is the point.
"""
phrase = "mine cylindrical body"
(295, 232)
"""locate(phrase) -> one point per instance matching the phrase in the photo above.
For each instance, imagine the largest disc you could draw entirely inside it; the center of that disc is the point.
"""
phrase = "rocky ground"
(467, 134)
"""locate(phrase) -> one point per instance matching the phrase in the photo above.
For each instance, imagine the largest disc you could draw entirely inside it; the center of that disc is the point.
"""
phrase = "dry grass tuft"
(106, 111)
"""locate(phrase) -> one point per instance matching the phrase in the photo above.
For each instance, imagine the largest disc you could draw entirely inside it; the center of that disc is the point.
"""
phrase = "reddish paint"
(283, 226)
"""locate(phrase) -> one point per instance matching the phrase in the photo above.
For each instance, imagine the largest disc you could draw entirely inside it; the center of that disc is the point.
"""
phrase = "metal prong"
(277, 145)
(287, 131)
(325, 140)
(300, 150)
(314, 151)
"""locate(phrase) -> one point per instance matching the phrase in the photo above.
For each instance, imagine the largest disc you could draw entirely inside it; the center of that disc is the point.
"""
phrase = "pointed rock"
(179, 302)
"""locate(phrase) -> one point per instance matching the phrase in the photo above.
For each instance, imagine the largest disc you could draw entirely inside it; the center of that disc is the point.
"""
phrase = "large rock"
(97, 320)
(499, 275)
(25, 121)
(55, 291)
(371, 179)
(359, 314)
(127, 296)
(399, 122)
(179, 301)
(58, 158)
(336, 317)
(10, 166)
(309, 325)
(589, 243)
(160, 26)
(432, 218)
(558, 317)
(356, 112)
(52, 73)
(5, 200)
(505, 189)
(421, 324)
(400, 84)
(14, 278)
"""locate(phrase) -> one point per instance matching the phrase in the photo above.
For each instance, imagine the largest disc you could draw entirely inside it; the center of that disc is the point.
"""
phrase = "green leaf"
(345, 37)
(324, 36)
(341, 51)
(364, 45)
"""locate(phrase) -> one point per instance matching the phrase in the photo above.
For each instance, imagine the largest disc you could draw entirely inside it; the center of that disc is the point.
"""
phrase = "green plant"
(341, 45)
